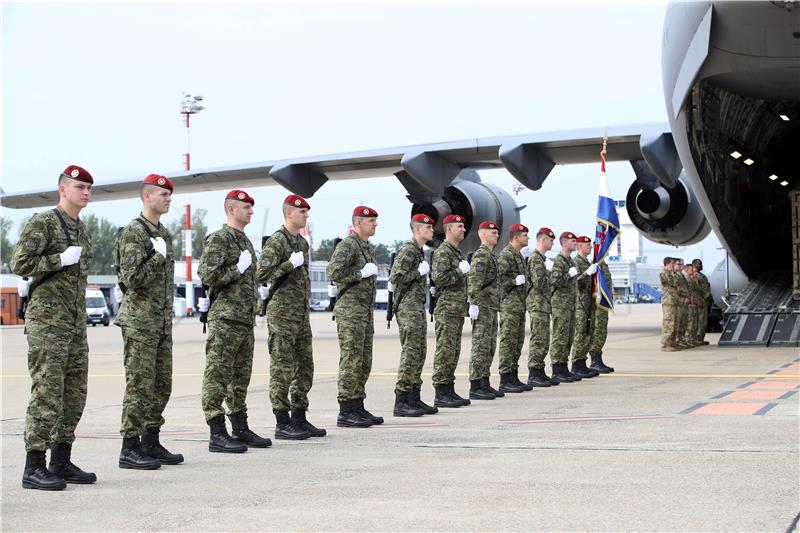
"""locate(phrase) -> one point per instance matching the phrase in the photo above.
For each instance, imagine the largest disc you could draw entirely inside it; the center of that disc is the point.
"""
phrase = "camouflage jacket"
(681, 288)
(584, 281)
(409, 286)
(563, 288)
(484, 280)
(511, 264)
(60, 300)
(233, 295)
(291, 287)
(694, 291)
(148, 277)
(451, 283)
(538, 284)
(356, 295)
(668, 294)
(704, 288)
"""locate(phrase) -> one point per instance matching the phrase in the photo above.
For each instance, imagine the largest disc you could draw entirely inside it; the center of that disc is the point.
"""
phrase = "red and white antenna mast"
(190, 105)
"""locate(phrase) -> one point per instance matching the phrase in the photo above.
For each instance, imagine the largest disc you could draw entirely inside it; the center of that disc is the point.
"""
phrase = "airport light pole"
(190, 105)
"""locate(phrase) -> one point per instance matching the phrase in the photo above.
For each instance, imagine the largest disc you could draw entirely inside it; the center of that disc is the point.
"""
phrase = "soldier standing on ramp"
(584, 314)
(538, 304)
(227, 268)
(146, 270)
(704, 294)
(55, 249)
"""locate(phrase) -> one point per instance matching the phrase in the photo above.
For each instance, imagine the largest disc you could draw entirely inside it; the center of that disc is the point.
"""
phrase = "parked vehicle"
(96, 308)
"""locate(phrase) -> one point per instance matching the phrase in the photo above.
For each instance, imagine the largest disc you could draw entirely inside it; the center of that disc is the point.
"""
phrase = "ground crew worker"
(449, 272)
(599, 330)
(584, 309)
(227, 269)
(562, 300)
(283, 266)
(668, 304)
(681, 311)
(704, 290)
(484, 303)
(408, 280)
(688, 333)
(55, 249)
(146, 270)
(354, 272)
(538, 304)
(514, 291)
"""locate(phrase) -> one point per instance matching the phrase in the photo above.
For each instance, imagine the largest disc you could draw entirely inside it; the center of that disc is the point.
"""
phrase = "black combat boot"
(599, 365)
(242, 432)
(579, 369)
(349, 416)
(477, 392)
(299, 421)
(63, 467)
(133, 457)
(523, 384)
(152, 447)
(537, 378)
(37, 476)
(284, 428)
(443, 397)
(561, 374)
(220, 441)
(507, 384)
(403, 405)
(575, 377)
(376, 420)
(415, 400)
(454, 394)
(488, 387)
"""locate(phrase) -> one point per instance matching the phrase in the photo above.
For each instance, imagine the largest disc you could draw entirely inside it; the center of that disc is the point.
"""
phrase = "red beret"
(423, 219)
(546, 231)
(242, 196)
(296, 201)
(77, 173)
(488, 225)
(364, 211)
(449, 219)
(517, 227)
(584, 239)
(568, 235)
(158, 181)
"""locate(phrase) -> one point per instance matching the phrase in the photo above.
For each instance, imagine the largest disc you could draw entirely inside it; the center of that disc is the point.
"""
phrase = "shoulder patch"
(130, 258)
(214, 258)
(31, 245)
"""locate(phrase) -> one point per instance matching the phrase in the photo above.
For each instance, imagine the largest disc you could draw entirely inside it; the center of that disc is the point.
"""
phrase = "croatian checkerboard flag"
(604, 237)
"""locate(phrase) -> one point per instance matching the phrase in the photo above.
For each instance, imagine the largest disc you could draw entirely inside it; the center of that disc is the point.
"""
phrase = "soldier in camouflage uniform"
(514, 291)
(227, 271)
(284, 267)
(484, 303)
(54, 249)
(449, 276)
(407, 280)
(704, 293)
(692, 305)
(681, 311)
(146, 266)
(584, 312)
(538, 304)
(668, 305)
(352, 268)
(563, 291)
(599, 330)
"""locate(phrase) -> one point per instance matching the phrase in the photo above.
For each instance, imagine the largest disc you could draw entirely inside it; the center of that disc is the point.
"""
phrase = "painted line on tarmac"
(583, 419)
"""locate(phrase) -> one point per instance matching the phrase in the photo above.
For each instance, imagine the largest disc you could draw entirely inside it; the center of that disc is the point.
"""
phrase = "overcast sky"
(99, 85)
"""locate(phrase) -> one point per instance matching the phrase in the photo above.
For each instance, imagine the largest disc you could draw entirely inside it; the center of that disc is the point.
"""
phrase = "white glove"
(423, 268)
(370, 269)
(390, 286)
(245, 260)
(464, 267)
(22, 287)
(297, 259)
(203, 304)
(592, 269)
(118, 294)
(572, 272)
(263, 292)
(519, 280)
(71, 255)
(333, 291)
(473, 311)
(433, 291)
(548, 264)
(159, 245)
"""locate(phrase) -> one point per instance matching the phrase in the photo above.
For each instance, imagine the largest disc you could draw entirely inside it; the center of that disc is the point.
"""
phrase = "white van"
(96, 308)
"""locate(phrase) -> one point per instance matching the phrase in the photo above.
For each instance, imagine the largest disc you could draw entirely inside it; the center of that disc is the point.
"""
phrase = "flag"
(604, 237)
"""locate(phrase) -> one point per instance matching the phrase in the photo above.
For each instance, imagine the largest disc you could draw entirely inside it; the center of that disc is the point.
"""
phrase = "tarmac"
(697, 440)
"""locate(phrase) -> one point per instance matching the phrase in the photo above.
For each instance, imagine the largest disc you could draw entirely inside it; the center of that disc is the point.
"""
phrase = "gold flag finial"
(605, 142)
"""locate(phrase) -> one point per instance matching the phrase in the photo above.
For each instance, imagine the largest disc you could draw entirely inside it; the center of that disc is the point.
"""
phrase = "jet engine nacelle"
(667, 215)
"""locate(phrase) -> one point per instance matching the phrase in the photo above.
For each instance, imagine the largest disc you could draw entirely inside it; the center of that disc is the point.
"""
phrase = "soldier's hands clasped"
(548, 264)
(263, 292)
(159, 245)
(118, 295)
(519, 280)
(71, 255)
(245, 260)
(203, 304)
(423, 268)
(463, 266)
(22, 287)
(296, 259)
(572, 272)
(592, 269)
(473, 311)
(370, 269)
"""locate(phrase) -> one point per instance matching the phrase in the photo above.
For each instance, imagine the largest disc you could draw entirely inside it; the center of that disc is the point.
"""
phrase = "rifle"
(263, 311)
(332, 303)
(390, 300)
(434, 299)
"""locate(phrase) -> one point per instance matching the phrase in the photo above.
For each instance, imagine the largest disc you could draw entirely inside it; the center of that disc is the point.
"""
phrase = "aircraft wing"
(423, 169)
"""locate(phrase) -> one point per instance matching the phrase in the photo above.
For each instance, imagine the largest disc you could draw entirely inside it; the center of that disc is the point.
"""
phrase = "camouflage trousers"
(148, 379)
(413, 333)
(668, 323)
(512, 337)
(561, 337)
(540, 339)
(291, 363)
(58, 363)
(680, 324)
(484, 344)
(448, 348)
(584, 323)
(690, 330)
(229, 365)
(355, 356)
(598, 333)
(702, 322)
